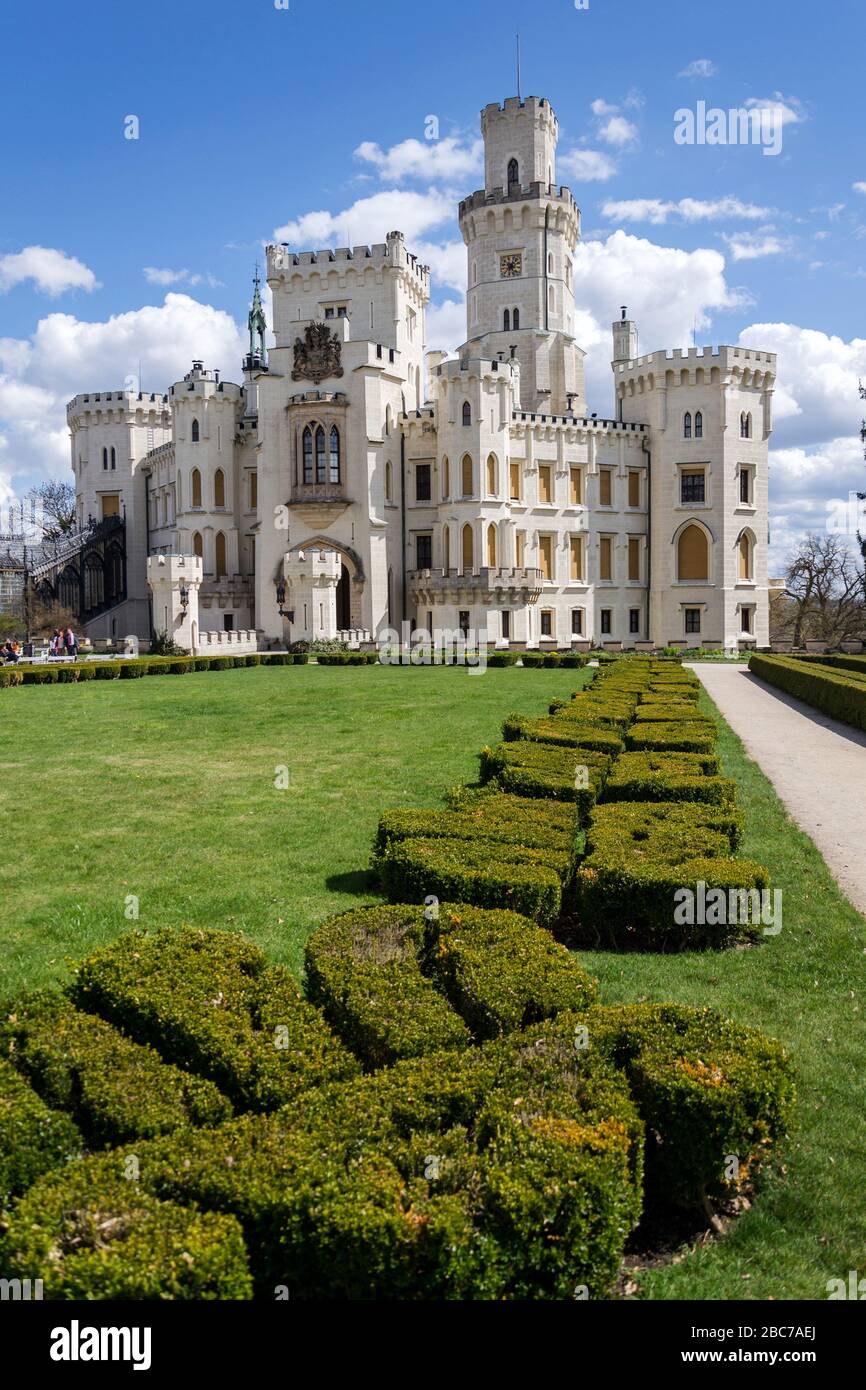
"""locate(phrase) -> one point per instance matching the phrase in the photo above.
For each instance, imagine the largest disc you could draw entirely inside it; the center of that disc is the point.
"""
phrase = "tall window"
(220, 555)
(745, 550)
(335, 455)
(506, 320)
(687, 425)
(576, 558)
(467, 413)
(634, 620)
(605, 487)
(577, 622)
(575, 489)
(308, 455)
(113, 457)
(633, 488)
(196, 488)
(446, 548)
(491, 546)
(389, 481)
(505, 627)
(605, 621)
(219, 488)
(745, 490)
(514, 481)
(491, 475)
(513, 172)
(546, 622)
(466, 479)
(515, 319)
(520, 549)
(422, 482)
(693, 557)
(197, 545)
(195, 432)
(545, 556)
(321, 460)
(423, 552)
(468, 549)
(699, 425)
(745, 426)
(693, 621)
(692, 486)
(634, 559)
(545, 492)
(105, 460)
(254, 491)
(605, 558)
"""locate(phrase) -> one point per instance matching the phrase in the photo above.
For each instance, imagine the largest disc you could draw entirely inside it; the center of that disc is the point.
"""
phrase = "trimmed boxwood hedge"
(33, 1138)
(512, 820)
(545, 770)
(833, 692)
(115, 1089)
(669, 777)
(89, 1233)
(68, 673)
(564, 732)
(706, 1088)
(363, 971)
(483, 873)
(679, 737)
(209, 1003)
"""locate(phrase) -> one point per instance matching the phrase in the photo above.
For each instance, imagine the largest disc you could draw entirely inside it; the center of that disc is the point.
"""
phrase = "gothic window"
(466, 479)
(745, 426)
(335, 455)
(699, 425)
(693, 557)
(321, 468)
(219, 488)
(745, 496)
(491, 546)
(467, 413)
(468, 548)
(113, 457)
(506, 321)
(746, 557)
(105, 460)
(550, 262)
(196, 488)
(94, 582)
(197, 545)
(220, 555)
(446, 478)
(513, 172)
(308, 455)
(515, 319)
(491, 475)
(687, 425)
(195, 432)
(389, 481)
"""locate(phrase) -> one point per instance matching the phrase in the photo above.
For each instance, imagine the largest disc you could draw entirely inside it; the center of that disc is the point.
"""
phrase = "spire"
(256, 321)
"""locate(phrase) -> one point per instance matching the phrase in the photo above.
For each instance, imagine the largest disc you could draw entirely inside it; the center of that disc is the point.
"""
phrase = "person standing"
(70, 642)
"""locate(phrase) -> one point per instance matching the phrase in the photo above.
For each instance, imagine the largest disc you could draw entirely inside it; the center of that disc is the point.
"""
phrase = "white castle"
(354, 481)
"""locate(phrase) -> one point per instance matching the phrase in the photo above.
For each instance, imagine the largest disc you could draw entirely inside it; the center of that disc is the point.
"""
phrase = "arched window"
(745, 426)
(468, 549)
(491, 475)
(745, 561)
(335, 455)
(321, 465)
(446, 478)
(506, 321)
(693, 554)
(389, 481)
(219, 488)
(467, 413)
(513, 172)
(687, 425)
(699, 425)
(197, 545)
(491, 546)
(387, 419)
(94, 583)
(195, 432)
(113, 572)
(515, 318)
(220, 555)
(446, 548)
(196, 488)
(308, 455)
(550, 262)
(113, 457)
(466, 476)
(105, 460)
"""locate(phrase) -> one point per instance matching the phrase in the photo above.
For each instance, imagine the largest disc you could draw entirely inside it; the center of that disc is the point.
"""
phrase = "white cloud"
(600, 107)
(657, 212)
(859, 187)
(51, 271)
(67, 355)
(786, 110)
(446, 325)
(616, 130)
(587, 166)
(816, 395)
(369, 219)
(701, 67)
(154, 275)
(751, 246)
(447, 262)
(431, 160)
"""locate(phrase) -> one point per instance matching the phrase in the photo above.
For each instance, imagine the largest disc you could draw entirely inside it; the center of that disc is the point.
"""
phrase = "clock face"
(510, 266)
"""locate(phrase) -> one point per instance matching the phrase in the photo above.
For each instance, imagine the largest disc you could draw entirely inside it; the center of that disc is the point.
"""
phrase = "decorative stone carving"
(317, 354)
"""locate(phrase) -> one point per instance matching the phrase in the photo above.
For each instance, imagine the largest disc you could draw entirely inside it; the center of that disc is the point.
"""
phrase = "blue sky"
(256, 120)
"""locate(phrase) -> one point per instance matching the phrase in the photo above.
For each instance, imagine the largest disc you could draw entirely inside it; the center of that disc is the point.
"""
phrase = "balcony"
(498, 587)
(317, 504)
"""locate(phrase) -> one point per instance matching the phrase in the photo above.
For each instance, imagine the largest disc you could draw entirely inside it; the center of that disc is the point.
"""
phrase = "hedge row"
(114, 1089)
(135, 668)
(33, 1138)
(208, 1002)
(833, 692)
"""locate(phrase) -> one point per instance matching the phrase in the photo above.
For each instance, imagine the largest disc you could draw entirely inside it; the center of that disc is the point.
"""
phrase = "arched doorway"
(344, 601)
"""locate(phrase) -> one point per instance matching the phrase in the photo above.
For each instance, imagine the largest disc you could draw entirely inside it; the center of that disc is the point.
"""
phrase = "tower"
(520, 232)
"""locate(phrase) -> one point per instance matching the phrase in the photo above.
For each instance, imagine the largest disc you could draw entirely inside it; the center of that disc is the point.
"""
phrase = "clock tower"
(520, 232)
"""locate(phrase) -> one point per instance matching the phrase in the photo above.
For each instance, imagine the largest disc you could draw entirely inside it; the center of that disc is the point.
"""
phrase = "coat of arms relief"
(317, 354)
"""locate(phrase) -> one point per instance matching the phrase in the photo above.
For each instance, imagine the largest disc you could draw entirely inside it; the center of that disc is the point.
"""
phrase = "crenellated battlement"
(115, 404)
(281, 260)
(730, 358)
(535, 190)
(539, 108)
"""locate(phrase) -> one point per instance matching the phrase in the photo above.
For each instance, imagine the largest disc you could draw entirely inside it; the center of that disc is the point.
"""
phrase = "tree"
(827, 591)
(57, 503)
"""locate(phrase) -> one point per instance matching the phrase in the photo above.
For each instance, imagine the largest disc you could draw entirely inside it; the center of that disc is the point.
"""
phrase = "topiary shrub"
(115, 1089)
(563, 732)
(480, 872)
(532, 659)
(533, 769)
(33, 1138)
(90, 1233)
(207, 1001)
(132, 670)
(552, 660)
(513, 820)
(502, 659)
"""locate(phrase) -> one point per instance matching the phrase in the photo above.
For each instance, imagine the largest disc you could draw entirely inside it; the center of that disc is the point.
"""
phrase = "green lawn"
(164, 788)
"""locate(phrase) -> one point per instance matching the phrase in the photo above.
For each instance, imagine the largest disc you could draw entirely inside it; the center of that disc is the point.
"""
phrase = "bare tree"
(57, 502)
(826, 588)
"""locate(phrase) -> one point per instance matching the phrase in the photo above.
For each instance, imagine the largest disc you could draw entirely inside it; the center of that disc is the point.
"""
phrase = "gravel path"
(817, 766)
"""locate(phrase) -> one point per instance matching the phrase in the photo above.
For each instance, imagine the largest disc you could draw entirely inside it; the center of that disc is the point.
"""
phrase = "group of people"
(63, 643)
(10, 651)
